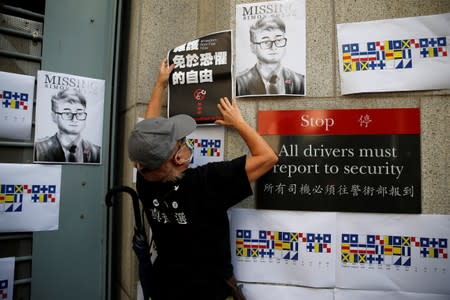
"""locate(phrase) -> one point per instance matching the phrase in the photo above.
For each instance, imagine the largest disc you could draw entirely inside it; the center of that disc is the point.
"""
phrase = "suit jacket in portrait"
(251, 83)
(51, 150)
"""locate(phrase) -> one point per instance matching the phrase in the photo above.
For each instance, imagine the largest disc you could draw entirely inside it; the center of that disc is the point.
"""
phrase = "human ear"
(178, 159)
(54, 117)
(253, 48)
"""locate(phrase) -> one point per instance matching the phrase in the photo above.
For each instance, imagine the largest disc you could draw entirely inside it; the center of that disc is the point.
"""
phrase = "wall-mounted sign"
(359, 160)
(29, 197)
(69, 119)
(201, 77)
(271, 48)
(208, 142)
(16, 108)
(7, 278)
(395, 54)
(355, 252)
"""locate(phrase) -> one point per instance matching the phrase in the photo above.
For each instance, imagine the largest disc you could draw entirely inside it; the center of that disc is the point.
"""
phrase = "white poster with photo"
(208, 144)
(351, 294)
(69, 119)
(7, 278)
(393, 252)
(395, 54)
(285, 247)
(271, 292)
(16, 110)
(270, 48)
(29, 197)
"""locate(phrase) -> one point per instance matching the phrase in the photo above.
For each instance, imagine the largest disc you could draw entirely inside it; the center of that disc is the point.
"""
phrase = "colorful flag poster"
(16, 110)
(394, 55)
(201, 77)
(7, 277)
(283, 247)
(270, 292)
(29, 197)
(393, 253)
(341, 294)
(270, 48)
(350, 254)
(350, 160)
(69, 119)
(208, 144)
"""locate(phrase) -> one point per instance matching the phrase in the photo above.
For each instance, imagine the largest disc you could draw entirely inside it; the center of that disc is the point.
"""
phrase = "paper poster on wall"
(16, 110)
(283, 247)
(69, 119)
(355, 160)
(394, 252)
(341, 294)
(270, 292)
(353, 253)
(7, 278)
(208, 143)
(29, 197)
(201, 77)
(395, 54)
(270, 48)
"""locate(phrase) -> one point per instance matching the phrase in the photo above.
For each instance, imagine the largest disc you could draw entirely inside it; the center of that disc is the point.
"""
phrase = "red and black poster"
(355, 160)
(201, 77)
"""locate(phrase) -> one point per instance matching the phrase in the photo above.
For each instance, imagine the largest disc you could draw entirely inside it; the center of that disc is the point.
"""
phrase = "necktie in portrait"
(273, 88)
(72, 151)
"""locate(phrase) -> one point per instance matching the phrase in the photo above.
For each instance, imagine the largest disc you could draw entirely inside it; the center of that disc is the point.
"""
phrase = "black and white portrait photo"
(270, 48)
(69, 119)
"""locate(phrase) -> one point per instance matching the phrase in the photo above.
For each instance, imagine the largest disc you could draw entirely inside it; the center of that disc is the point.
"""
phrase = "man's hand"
(230, 111)
(156, 98)
(164, 72)
(262, 158)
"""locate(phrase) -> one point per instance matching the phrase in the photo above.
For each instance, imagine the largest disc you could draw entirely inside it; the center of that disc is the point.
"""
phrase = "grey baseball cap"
(153, 140)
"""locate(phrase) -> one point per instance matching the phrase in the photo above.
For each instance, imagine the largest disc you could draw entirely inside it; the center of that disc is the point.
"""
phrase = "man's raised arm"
(155, 102)
(262, 157)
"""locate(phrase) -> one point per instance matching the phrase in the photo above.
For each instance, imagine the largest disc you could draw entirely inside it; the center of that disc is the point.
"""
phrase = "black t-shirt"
(190, 227)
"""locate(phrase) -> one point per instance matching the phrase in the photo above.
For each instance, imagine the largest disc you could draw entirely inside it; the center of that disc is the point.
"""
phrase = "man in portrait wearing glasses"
(67, 145)
(268, 76)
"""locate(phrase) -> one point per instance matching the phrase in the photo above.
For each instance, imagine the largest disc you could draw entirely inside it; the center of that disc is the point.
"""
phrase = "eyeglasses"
(81, 116)
(279, 43)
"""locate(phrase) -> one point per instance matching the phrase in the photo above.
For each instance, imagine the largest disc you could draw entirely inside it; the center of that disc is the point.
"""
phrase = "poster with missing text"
(7, 265)
(355, 160)
(69, 119)
(202, 75)
(270, 48)
(395, 55)
(16, 110)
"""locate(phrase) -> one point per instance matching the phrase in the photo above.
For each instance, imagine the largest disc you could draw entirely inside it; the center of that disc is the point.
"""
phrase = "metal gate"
(20, 52)
(73, 37)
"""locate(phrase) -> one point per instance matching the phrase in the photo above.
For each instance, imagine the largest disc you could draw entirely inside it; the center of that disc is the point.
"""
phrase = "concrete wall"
(157, 26)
